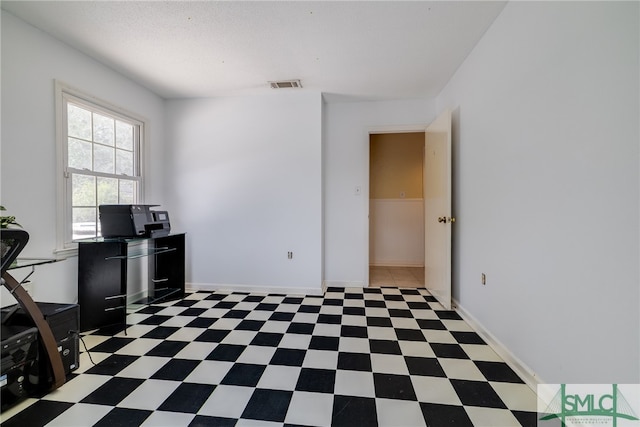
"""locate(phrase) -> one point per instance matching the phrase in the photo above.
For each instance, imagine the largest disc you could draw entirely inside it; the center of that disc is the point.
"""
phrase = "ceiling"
(347, 50)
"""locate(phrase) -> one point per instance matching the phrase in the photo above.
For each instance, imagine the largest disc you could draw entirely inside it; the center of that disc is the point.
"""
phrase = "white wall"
(346, 166)
(31, 60)
(246, 185)
(546, 187)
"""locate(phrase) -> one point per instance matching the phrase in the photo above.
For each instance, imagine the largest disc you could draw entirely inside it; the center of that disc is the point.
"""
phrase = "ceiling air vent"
(284, 84)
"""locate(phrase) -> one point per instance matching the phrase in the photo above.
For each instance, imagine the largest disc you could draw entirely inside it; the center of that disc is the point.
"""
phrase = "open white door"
(437, 209)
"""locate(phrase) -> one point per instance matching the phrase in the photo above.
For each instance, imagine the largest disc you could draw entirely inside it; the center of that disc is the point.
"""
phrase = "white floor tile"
(78, 388)
(149, 395)
(389, 364)
(144, 367)
(196, 350)
(395, 413)
(491, 417)
(257, 355)
(164, 419)
(462, 369)
(517, 397)
(313, 409)
(321, 359)
(435, 390)
(354, 383)
(209, 372)
(279, 377)
(227, 401)
(80, 415)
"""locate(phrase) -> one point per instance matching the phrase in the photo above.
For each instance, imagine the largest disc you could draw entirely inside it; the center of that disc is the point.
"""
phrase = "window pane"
(79, 122)
(84, 223)
(124, 135)
(107, 191)
(127, 192)
(103, 159)
(80, 155)
(103, 129)
(124, 162)
(83, 190)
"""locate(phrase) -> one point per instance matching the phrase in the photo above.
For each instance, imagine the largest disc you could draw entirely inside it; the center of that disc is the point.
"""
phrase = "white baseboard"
(392, 263)
(253, 289)
(342, 284)
(525, 372)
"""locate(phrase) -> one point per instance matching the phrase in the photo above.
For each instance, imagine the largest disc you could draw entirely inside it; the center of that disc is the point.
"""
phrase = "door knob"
(451, 220)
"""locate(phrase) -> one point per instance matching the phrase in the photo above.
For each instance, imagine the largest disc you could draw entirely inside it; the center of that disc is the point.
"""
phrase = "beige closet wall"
(396, 208)
(396, 165)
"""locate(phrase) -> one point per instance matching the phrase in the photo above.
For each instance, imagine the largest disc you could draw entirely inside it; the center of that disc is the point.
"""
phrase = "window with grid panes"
(102, 163)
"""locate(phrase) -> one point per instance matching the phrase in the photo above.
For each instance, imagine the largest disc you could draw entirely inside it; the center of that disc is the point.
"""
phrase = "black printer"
(133, 221)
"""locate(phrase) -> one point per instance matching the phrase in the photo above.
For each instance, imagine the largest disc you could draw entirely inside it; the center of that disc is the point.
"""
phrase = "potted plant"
(5, 222)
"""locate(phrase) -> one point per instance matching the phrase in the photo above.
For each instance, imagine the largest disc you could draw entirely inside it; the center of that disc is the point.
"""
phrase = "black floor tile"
(373, 303)
(410, 335)
(384, 347)
(204, 421)
(527, 419)
(392, 297)
(155, 320)
(188, 398)
(301, 328)
(288, 357)
(212, 335)
(353, 311)
(243, 374)
(226, 352)
(167, 349)
(353, 296)
(333, 302)
(332, 319)
(236, 314)
(445, 415)
(383, 322)
(396, 312)
(282, 316)
(216, 297)
(452, 351)
(150, 309)
(268, 405)
(324, 343)
(425, 366)
(394, 387)
(253, 298)
(498, 371)
(354, 361)
(431, 324)
(112, 365)
(354, 331)
(418, 305)
(38, 414)
(193, 312)
(266, 307)
(448, 314)
(267, 339)
(226, 304)
(112, 345)
(113, 391)
(250, 325)
(316, 380)
(201, 322)
(350, 411)
(176, 369)
(123, 417)
(292, 300)
(477, 393)
(467, 337)
(309, 309)
(160, 333)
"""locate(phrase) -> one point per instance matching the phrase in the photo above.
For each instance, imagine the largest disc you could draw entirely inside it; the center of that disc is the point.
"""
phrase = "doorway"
(396, 209)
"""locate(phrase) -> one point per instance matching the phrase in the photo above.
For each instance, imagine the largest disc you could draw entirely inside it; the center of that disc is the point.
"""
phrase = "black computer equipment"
(19, 350)
(132, 221)
(64, 321)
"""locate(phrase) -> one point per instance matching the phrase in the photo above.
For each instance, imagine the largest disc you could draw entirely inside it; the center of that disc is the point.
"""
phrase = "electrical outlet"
(290, 255)
(484, 279)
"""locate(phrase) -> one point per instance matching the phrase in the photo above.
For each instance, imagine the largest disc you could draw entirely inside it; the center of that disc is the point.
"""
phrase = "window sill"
(66, 253)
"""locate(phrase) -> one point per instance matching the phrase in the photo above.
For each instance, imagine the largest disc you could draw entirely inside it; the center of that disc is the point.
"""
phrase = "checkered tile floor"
(355, 357)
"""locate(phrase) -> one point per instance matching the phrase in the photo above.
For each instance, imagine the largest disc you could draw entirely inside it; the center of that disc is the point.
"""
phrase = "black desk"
(102, 276)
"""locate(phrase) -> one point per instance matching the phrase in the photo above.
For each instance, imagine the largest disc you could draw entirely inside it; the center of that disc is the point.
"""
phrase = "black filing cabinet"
(102, 276)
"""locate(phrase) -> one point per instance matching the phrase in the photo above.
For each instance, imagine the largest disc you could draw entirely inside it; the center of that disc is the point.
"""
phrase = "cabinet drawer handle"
(159, 280)
(114, 297)
(115, 308)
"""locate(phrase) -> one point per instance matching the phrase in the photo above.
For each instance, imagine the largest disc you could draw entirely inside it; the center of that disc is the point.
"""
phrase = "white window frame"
(64, 93)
